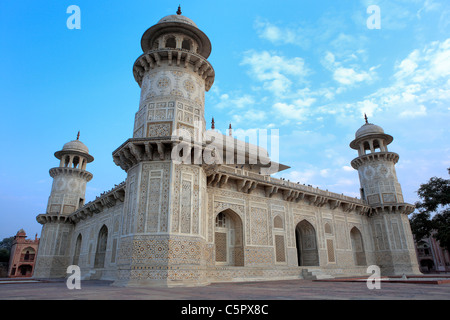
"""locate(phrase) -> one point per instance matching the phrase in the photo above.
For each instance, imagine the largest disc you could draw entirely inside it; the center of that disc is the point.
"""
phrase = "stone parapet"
(174, 57)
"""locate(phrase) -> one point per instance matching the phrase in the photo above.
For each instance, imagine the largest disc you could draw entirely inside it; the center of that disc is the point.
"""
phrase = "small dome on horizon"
(367, 129)
(75, 145)
(177, 18)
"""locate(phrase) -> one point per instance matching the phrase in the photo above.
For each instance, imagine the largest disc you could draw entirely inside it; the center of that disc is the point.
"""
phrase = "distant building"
(23, 255)
(431, 256)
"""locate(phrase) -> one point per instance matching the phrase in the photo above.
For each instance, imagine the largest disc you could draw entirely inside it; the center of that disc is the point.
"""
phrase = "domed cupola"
(69, 179)
(74, 154)
(370, 138)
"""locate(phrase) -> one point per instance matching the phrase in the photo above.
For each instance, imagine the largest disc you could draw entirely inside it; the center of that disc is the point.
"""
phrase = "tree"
(5, 249)
(435, 196)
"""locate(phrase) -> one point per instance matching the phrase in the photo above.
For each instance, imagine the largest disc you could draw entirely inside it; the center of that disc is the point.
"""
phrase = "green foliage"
(435, 196)
(441, 222)
(421, 225)
(4, 255)
(435, 193)
(5, 249)
(6, 243)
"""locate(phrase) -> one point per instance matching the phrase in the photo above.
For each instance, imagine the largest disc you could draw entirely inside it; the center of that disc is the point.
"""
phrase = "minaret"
(394, 250)
(166, 199)
(376, 166)
(70, 178)
(66, 196)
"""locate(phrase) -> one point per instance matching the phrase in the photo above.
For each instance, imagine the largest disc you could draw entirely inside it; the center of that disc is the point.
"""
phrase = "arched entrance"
(359, 254)
(101, 248)
(228, 239)
(426, 265)
(25, 270)
(306, 242)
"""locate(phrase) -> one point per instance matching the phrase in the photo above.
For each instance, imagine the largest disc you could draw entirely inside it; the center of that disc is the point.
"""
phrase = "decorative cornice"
(176, 57)
(70, 171)
(376, 156)
(399, 208)
(53, 218)
(107, 199)
(135, 150)
(247, 181)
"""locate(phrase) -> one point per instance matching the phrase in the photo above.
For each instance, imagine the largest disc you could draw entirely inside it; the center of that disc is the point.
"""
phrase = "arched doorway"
(306, 242)
(426, 265)
(101, 248)
(228, 239)
(359, 254)
(25, 270)
(76, 255)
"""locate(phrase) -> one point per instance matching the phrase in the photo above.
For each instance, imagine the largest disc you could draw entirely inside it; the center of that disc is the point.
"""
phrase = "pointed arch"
(359, 254)
(306, 243)
(28, 254)
(229, 239)
(102, 242)
(76, 255)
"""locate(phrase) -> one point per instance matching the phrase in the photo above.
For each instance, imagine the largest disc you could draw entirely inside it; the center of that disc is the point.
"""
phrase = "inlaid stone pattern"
(187, 202)
(173, 82)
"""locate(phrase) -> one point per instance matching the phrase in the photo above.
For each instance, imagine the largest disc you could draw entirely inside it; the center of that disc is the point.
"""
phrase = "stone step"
(315, 274)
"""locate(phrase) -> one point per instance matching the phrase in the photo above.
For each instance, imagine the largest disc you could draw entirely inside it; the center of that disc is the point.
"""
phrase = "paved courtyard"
(268, 290)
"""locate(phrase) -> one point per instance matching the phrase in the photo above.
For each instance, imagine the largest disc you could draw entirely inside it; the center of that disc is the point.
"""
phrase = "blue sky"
(310, 69)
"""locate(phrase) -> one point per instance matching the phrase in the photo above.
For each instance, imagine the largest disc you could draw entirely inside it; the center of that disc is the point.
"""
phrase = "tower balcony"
(174, 57)
(376, 156)
(86, 175)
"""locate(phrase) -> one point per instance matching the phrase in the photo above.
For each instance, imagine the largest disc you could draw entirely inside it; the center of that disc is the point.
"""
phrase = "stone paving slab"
(267, 290)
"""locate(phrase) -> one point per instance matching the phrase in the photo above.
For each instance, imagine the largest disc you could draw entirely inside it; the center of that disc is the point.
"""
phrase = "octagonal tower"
(394, 244)
(67, 195)
(173, 73)
(163, 230)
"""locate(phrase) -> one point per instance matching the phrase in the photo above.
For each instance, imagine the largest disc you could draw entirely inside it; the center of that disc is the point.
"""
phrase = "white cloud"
(347, 76)
(251, 115)
(325, 173)
(367, 107)
(290, 111)
(305, 176)
(420, 81)
(348, 168)
(240, 102)
(282, 35)
(277, 73)
(416, 112)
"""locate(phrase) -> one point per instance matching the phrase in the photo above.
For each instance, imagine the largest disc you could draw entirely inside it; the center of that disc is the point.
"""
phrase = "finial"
(365, 118)
(212, 124)
(230, 130)
(179, 10)
(78, 135)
